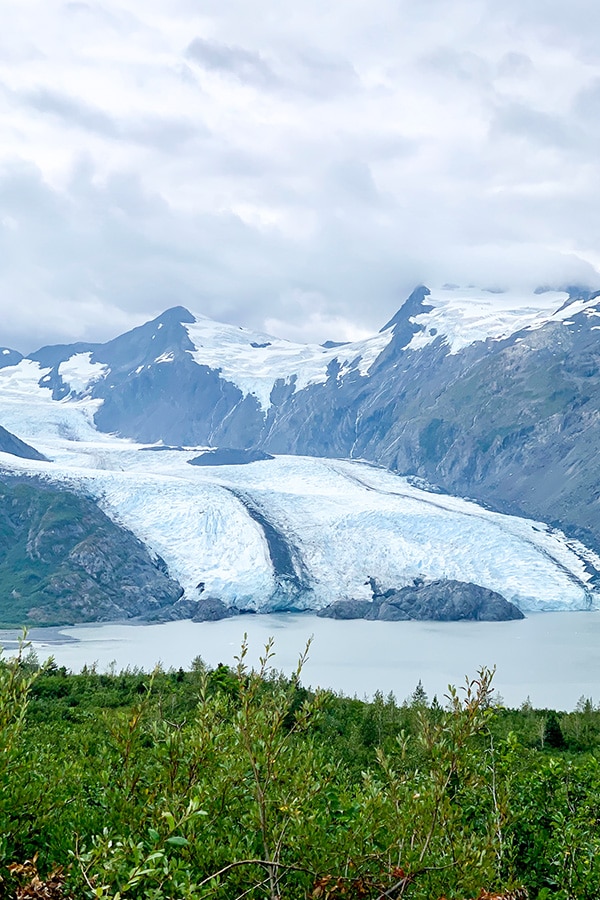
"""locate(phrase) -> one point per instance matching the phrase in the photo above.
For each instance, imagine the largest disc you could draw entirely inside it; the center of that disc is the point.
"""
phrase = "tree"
(553, 736)
(419, 696)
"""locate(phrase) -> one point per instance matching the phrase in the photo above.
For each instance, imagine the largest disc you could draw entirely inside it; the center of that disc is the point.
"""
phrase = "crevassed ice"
(345, 520)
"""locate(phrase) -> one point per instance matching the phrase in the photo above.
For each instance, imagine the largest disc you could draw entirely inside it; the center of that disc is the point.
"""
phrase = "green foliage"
(553, 736)
(232, 783)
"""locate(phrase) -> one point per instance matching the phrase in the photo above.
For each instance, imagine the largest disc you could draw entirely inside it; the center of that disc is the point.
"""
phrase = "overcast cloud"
(292, 167)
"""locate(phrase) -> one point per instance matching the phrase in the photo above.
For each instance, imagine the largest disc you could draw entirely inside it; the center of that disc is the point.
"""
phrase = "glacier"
(292, 531)
(337, 522)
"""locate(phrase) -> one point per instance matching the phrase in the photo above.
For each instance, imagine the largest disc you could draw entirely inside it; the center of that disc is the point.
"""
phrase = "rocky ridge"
(9, 443)
(437, 601)
(511, 420)
(62, 561)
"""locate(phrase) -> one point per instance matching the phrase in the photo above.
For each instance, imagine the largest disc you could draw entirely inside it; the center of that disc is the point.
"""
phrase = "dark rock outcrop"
(438, 601)
(450, 601)
(181, 609)
(229, 456)
(9, 443)
(211, 609)
(349, 609)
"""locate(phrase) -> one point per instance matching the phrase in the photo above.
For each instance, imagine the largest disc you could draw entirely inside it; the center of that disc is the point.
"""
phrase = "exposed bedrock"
(439, 601)
(62, 561)
(229, 456)
(10, 443)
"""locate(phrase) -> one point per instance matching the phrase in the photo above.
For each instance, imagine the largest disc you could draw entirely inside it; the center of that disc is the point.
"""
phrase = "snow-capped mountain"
(460, 317)
(296, 532)
(187, 379)
(490, 395)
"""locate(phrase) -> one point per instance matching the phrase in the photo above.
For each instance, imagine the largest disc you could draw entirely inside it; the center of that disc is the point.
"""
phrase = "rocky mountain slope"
(62, 560)
(489, 395)
(9, 443)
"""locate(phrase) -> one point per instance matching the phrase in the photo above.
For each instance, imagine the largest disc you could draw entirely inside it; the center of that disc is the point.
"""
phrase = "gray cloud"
(244, 64)
(587, 102)
(306, 70)
(515, 65)
(461, 65)
(568, 26)
(70, 110)
(349, 183)
(317, 74)
(303, 168)
(539, 127)
(160, 132)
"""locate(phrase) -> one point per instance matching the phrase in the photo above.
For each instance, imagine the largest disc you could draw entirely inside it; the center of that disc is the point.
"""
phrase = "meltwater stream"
(551, 658)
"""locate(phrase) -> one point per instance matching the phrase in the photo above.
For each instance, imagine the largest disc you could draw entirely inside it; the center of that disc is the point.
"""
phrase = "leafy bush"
(232, 783)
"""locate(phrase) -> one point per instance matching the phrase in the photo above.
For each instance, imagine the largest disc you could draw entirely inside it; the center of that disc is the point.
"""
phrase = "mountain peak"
(177, 315)
(412, 306)
(9, 357)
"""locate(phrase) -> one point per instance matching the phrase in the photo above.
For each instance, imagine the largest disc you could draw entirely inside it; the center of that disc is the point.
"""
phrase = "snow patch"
(464, 316)
(28, 410)
(80, 373)
(254, 362)
(23, 380)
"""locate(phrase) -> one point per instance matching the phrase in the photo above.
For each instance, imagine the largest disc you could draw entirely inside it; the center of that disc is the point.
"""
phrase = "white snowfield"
(254, 362)
(79, 372)
(465, 315)
(461, 316)
(341, 521)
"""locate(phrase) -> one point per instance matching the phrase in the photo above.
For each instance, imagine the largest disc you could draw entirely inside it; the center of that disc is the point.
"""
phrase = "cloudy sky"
(291, 167)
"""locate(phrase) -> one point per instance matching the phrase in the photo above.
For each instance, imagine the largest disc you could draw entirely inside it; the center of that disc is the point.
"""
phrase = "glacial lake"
(552, 658)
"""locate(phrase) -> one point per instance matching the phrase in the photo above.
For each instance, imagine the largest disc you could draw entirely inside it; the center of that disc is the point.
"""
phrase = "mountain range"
(464, 393)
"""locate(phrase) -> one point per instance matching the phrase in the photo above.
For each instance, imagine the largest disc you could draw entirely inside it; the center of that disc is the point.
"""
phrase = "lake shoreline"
(551, 658)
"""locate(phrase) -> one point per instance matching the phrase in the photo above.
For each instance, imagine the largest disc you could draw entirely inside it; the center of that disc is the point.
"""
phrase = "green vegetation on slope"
(62, 560)
(230, 783)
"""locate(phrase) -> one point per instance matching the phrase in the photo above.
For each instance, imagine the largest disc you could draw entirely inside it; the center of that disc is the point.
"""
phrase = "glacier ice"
(340, 521)
(254, 362)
